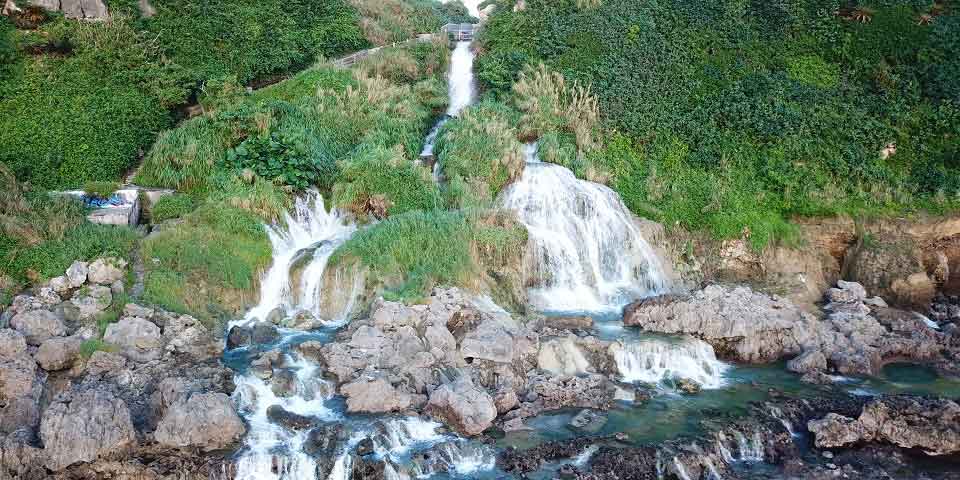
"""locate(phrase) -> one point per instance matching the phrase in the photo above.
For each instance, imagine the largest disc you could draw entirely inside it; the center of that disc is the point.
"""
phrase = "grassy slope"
(734, 116)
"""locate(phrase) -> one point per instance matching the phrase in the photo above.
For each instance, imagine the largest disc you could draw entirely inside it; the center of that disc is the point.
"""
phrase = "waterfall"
(585, 252)
(461, 83)
(681, 471)
(653, 360)
(583, 457)
(309, 231)
(750, 450)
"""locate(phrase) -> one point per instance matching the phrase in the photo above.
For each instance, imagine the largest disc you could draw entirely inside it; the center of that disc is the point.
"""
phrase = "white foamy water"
(655, 360)
(585, 251)
(272, 452)
(309, 230)
(460, 79)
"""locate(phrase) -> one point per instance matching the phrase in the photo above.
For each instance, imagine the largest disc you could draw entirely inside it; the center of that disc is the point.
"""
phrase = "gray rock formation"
(106, 271)
(38, 325)
(138, 339)
(91, 301)
(206, 421)
(374, 396)
(58, 353)
(18, 371)
(77, 274)
(91, 425)
(467, 408)
(931, 425)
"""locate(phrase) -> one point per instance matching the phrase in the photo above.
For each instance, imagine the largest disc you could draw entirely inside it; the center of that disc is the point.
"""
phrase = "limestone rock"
(206, 421)
(58, 353)
(738, 322)
(92, 301)
(77, 274)
(374, 396)
(106, 271)
(890, 266)
(808, 361)
(138, 339)
(931, 425)
(463, 406)
(92, 425)
(18, 371)
(38, 325)
(562, 357)
(490, 341)
(60, 284)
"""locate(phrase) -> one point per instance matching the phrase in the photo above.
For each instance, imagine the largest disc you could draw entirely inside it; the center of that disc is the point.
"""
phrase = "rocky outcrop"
(38, 325)
(85, 427)
(891, 266)
(374, 396)
(743, 325)
(59, 353)
(206, 421)
(739, 323)
(465, 407)
(106, 271)
(931, 425)
(138, 339)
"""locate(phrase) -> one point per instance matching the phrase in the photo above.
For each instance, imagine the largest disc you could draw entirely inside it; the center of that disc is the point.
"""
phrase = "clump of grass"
(549, 103)
(387, 173)
(411, 253)
(209, 263)
(480, 155)
(172, 206)
(98, 189)
(93, 345)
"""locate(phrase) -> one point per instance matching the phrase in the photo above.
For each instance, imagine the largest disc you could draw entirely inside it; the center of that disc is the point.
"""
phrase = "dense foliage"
(736, 115)
(171, 206)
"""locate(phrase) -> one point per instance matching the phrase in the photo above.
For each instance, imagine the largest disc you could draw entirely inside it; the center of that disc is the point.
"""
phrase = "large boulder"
(490, 341)
(38, 325)
(374, 396)
(91, 425)
(77, 274)
(138, 339)
(931, 425)
(58, 353)
(106, 271)
(463, 406)
(206, 421)
(738, 322)
(561, 356)
(18, 371)
(890, 266)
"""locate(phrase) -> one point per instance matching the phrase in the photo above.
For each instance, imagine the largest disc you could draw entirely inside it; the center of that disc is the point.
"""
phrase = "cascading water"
(461, 89)
(586, 253)
(653, 360)
(310, 234)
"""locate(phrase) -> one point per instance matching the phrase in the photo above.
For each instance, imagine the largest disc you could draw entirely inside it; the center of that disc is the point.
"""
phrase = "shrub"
(171, 206)
(279, 158)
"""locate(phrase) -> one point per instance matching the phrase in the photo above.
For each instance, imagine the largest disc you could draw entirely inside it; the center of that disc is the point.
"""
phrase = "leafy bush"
(278, 158)
(85, 115)
(171, 206)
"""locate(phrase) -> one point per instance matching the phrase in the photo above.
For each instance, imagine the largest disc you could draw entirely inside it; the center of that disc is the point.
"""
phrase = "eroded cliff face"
(905, 261)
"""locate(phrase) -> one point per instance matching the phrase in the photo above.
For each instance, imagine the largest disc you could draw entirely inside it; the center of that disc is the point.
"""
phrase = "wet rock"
(283, 383)
(106, 271)
(58, 353)
(562, 357)
(738, 322)
(77, 274)
(288, 419)
(808, 361)
(263, 366)
(206, 421)
(588, 421)
(138, 339)
(239, 337)
(556, 392)
(275, 317)
(505, 400)
(931, 425)
(325, 440)
(463, 406)
(311, 350)
(374, 396)
(365, 447)
(92, 301)
(91, 425)
(264, 334)
(581, 322)
(38, 325)
(688, 386)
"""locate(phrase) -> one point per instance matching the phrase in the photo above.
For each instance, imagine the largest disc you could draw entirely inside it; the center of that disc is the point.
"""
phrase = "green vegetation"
(388, 175)
(208, 265)
(100, 189)
(89, 347)
(82, 101)
(410, 253)
(735, 116)
(172, 206)
(41, 235)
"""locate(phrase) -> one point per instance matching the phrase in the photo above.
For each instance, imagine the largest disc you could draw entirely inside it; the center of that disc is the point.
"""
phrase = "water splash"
(681, 471)
(777, 413)
(583, 457)
(585, 251)
(750, 450)
(460, 81)
(653, 360)
(309, 230)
